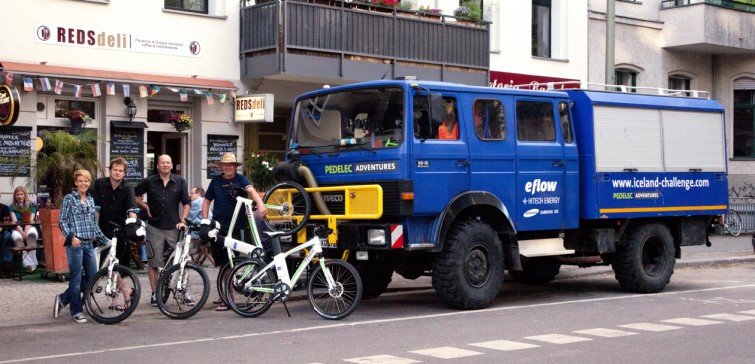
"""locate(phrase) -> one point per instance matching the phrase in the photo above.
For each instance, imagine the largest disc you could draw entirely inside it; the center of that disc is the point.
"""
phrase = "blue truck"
(477, 180)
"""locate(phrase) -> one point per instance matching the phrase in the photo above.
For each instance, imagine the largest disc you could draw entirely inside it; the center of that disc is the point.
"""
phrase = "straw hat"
(229, 158)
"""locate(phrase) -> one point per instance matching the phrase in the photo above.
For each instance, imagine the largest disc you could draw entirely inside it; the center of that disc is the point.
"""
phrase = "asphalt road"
(705, 315)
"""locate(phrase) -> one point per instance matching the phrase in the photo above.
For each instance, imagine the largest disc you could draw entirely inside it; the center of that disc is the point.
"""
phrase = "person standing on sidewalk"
(116, 201)
(165, 193)
(78, 222)
(222, 192)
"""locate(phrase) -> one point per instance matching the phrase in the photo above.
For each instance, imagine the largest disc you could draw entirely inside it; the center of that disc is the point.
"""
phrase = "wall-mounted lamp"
(130, 108)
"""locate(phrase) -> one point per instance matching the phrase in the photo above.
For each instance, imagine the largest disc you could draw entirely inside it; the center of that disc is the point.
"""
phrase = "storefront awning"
(115, 76)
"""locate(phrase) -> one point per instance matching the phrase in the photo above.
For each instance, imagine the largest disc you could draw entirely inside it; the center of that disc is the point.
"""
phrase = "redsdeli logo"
(194, 47)
(43, 33)
(84, 37)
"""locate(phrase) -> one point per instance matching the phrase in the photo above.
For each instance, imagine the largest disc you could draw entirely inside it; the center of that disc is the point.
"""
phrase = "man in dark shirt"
(165, 191)
(116, 202)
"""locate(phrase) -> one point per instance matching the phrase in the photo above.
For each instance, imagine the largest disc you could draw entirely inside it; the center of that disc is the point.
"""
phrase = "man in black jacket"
(116, 202)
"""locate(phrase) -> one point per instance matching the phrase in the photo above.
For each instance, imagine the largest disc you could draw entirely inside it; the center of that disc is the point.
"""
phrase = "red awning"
(507, 79)
(116, 76)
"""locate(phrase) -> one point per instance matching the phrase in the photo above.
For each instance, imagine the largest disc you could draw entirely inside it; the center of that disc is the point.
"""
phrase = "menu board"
(216, 146)
(128, 143)
(15, 151)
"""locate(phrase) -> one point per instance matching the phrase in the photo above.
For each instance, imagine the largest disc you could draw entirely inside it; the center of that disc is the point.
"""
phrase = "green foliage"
(259, 168)
(64, 153)
(405, 5)
(474, 10)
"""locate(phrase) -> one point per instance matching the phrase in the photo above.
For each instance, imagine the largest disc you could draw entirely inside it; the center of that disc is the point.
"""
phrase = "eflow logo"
(531, 212)
(540, 186)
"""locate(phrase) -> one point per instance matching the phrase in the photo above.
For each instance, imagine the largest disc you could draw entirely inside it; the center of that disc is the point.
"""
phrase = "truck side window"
(563, 113)
(489, 120)
(535, 122)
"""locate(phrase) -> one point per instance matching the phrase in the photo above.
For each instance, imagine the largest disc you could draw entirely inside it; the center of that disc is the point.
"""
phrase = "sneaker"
(189, 302)
(57, 306)
(79, 318)
(153, 300)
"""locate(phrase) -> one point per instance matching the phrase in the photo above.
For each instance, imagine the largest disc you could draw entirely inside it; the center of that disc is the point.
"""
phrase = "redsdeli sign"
(83, 36)
(254, 108)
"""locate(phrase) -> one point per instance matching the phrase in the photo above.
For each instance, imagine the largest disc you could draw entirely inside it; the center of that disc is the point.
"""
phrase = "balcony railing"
(350, 43)
(743, 5)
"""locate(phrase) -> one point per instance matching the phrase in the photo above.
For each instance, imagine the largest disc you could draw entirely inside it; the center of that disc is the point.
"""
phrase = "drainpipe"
(610, 41)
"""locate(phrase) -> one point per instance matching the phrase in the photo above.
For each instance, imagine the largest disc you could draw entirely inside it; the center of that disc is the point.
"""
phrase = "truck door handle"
(462, 163)
(559, 163)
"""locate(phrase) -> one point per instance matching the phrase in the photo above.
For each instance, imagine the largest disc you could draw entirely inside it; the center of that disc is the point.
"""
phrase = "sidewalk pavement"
(29, 302)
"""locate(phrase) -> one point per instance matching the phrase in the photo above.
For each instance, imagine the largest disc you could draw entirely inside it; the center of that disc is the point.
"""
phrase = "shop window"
(488, 119)
(680, 82)
(63, 106)
(744, 123)
(196, 6)
(541, 28)
(162, 115)
(534, 121)
(626, 77)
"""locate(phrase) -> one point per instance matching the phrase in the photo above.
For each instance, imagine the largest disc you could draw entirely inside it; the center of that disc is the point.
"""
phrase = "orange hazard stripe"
(662, 209)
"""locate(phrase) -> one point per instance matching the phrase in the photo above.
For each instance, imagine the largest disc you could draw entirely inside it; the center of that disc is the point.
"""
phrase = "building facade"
(690, 44)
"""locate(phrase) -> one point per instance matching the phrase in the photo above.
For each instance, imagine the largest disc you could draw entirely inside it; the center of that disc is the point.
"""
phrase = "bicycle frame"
(110, 261)
(181, 256)
(232, 244)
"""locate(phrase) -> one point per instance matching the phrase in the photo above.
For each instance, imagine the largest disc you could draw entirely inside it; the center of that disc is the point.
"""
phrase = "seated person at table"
(24, 233)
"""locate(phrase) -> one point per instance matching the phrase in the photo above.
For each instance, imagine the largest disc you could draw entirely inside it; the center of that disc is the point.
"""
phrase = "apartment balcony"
(709, 26)
(346, 42)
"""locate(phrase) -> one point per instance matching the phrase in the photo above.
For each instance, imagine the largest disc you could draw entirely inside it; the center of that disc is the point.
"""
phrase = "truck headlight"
(376, 237)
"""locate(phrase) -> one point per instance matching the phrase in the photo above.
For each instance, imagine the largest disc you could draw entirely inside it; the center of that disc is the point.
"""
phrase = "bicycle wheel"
(117, 306)
(733, 223)
(223, 274)
(248, 302)
(343, 299)
(183, 303)
(288, 207)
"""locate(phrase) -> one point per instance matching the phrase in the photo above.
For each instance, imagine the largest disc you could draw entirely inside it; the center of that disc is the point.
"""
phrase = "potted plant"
(468, 11)
(27, 212)
(259, 168)
(78, 119)
(181, 121)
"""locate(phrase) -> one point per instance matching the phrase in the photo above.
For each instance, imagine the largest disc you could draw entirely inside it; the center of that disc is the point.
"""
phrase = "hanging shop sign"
(254, 108)
(9, 105)
(15, 151)
(217, 145)
(95, 38)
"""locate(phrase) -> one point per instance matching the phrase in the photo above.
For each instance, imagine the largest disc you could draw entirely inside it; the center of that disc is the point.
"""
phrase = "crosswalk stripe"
(558, 338)
(382, 359)
(691, 321)
(750, 312)
(605, 332)
(446, 352)
(730, 317)
(505, 345)
(647, 326)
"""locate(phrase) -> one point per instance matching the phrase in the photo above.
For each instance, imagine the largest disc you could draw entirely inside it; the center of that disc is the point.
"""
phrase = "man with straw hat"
(222, 192)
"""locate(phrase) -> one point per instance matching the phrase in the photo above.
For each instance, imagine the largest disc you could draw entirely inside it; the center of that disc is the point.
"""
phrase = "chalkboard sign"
(15, 151)
(128, 143)
(216, 146)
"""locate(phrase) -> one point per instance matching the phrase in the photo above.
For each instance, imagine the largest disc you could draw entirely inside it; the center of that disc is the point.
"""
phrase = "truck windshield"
(364, 118)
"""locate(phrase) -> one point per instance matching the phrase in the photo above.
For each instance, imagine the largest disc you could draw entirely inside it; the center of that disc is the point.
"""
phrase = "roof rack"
(612, 88)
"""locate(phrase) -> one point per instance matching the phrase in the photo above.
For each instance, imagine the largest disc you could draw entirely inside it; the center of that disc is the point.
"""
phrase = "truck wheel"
(646, 262)
(537, 271)
(375, 279)
(468, 273)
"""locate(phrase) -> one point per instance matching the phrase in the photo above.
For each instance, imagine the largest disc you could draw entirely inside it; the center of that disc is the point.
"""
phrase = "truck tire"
(646, 262)
(375, 279)
(468, 273)
(537, 271)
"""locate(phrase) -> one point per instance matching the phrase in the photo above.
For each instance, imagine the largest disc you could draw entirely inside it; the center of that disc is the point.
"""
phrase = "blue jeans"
(8, 243)
(80, 260)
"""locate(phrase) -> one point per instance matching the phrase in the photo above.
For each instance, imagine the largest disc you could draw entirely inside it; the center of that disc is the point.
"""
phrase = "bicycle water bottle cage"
(281, 292)
(257, 253)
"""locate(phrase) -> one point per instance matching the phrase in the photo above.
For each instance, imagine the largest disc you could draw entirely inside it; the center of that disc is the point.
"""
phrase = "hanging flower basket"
(181, 121)
(78, 119)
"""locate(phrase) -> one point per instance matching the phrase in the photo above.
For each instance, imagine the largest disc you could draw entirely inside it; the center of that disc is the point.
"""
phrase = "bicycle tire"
(167, 293)
(295, 207)
(247, 303)
(99, 310)
(223, 274)
(733, 223)
(344, 299)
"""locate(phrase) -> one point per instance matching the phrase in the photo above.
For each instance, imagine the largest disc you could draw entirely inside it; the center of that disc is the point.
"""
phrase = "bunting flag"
(222, 98)
(198, 92)
(8, 78)
(58, 87)
(184, 97)
(142, 91)
(44, 84)
(126, 90)
(153, 90)
(110, 88)
(28, 84)
(174, 89)
(96, 92)
(233, 95)
(77, 90)
(210, 99)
